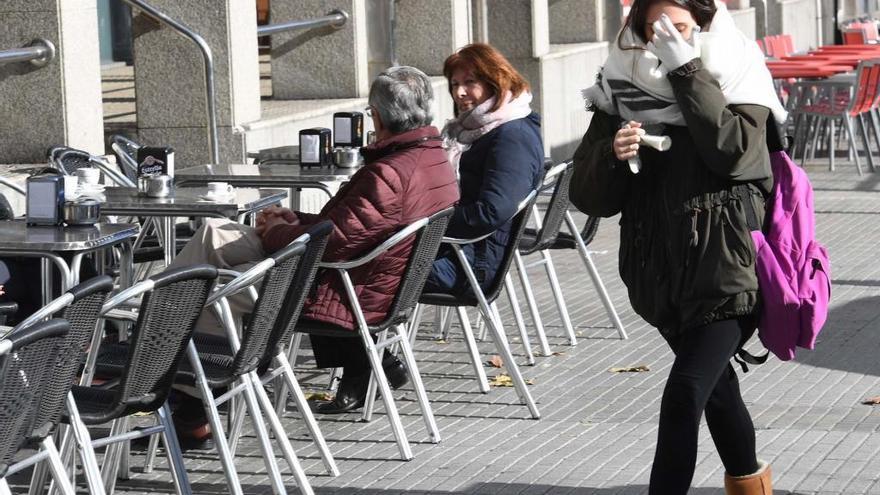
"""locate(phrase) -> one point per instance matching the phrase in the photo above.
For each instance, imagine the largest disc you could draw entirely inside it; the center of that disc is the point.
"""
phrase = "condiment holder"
(156, 186)
(346, 157)
(83, 211)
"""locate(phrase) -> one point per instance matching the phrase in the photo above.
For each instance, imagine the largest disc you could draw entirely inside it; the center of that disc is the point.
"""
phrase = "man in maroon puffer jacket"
(406, 177)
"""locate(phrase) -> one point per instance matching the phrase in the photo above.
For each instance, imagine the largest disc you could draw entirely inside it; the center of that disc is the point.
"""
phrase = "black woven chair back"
(69, 160)
(421, 259)
(517, 227)
(23, 375)
(82, 314)
(272, 293)
(300, 285)
(164, 327)
(556, 209)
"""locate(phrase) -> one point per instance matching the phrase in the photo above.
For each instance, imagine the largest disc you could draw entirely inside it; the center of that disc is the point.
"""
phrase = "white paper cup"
(71, 186)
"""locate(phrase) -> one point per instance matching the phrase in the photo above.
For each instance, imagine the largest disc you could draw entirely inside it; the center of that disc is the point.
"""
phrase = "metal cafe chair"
(81, 307)
(171, 303)
(219, 361)
(23, 379)
(427, 234)
(483, 300)
(539, 240)
(69, 160)
(126, 154)
(850, 101)
(548, 236)
(210, 368)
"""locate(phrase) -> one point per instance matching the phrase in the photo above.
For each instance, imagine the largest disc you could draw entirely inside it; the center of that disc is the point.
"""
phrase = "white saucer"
(216, 197)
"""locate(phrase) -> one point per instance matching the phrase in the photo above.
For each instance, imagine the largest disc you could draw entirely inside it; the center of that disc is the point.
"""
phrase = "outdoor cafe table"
(50, 242)
(289, 175)
(187, 202)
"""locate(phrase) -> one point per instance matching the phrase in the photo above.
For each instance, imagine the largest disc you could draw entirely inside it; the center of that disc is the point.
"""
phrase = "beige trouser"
(224, 244)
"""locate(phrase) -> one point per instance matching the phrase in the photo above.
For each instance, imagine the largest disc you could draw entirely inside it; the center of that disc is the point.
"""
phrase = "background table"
(17, 238)
(290, 176)
(187, 202)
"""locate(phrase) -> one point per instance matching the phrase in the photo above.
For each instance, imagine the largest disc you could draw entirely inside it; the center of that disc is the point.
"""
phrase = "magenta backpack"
(793, 268)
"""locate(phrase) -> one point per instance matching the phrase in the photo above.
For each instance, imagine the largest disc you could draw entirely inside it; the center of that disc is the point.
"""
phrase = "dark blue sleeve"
(512, 167)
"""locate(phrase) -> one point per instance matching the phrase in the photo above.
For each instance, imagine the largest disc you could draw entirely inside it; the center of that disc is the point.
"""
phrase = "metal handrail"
(335, 19)
(38, 52)
(210, 93)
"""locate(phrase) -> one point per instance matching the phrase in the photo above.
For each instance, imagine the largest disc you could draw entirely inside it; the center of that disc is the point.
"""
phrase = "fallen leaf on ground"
(440, 341)
(872, 401)
(632, 369)
(504, 380)
(495, 361)
(501, 380)
(558, 354)
(320, 396)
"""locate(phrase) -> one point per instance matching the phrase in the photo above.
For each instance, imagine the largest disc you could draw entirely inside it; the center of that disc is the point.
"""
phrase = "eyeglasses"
(368, 111)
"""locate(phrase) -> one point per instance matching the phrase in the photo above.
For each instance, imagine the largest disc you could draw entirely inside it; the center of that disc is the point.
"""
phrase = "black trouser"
(702, 378)
(344, 352)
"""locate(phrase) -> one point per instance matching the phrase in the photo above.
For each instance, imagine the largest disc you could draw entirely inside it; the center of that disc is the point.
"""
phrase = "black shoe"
(351, 395)
(395, 371)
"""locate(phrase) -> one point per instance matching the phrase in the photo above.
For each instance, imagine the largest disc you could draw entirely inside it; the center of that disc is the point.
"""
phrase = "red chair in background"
(848, 100)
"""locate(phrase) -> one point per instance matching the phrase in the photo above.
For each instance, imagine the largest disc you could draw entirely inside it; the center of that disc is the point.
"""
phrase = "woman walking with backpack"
(680, 68)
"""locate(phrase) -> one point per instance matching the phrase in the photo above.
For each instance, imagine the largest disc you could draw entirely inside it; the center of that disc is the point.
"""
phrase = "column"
(170, 77)
(323, 62)
(577, 21)
(59, 103)
(428, 48)
(520, 30)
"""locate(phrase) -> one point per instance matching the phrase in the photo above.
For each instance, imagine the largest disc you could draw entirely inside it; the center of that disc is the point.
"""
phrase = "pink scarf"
(459, 133)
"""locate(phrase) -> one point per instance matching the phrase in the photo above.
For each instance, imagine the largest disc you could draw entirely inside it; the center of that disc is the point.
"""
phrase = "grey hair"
(402, 96)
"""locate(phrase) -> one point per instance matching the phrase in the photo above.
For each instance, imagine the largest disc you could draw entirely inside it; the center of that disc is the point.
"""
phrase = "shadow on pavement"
(850, 334)
(526, 489)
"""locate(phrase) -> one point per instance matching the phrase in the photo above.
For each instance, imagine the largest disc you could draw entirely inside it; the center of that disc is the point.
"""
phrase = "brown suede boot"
(752, 484)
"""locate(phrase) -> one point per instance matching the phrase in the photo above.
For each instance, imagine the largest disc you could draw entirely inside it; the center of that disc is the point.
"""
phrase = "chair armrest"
(12, 185)
(47, 311)
(240, 281)
(522, 204)
(381, 248)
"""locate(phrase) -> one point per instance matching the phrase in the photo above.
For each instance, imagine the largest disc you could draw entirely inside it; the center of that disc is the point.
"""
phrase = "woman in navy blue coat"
(495, 141)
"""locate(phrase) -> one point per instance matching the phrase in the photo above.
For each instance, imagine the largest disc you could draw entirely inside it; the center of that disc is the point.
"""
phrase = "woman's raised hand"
(627, 139)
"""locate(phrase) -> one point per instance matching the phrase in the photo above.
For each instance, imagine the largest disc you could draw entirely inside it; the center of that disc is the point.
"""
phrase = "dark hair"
(702, 10)
(490, 67)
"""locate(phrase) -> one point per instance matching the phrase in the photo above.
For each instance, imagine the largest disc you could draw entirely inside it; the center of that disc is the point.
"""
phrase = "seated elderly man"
(406, 176)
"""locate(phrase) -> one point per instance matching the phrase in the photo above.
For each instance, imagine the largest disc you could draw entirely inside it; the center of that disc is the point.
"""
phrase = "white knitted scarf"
(459, 133)
(633, 83)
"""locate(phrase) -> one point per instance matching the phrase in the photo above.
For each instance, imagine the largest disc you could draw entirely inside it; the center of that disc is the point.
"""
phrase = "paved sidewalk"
(598, 428)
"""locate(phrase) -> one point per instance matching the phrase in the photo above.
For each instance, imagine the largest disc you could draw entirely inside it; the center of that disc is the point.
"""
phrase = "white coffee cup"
(88, 175)
(219, 188)
(71, 186)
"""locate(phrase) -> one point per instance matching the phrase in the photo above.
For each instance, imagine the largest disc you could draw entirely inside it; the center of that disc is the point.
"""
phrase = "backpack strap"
(744, 358)
(776, 140)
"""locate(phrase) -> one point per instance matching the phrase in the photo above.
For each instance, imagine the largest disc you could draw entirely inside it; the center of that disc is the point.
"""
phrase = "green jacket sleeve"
(600, 182)
(730, 139)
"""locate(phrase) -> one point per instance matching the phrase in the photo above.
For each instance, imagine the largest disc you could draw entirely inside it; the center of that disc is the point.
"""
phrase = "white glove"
(668, 45)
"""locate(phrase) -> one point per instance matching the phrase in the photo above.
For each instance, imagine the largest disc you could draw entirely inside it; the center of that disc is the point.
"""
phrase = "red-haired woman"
(495, 142)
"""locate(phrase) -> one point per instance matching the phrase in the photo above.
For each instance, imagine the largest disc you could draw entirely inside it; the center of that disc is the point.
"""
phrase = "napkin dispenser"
(45, 199)
(315, 147)
(348, 129)
(155, 160)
